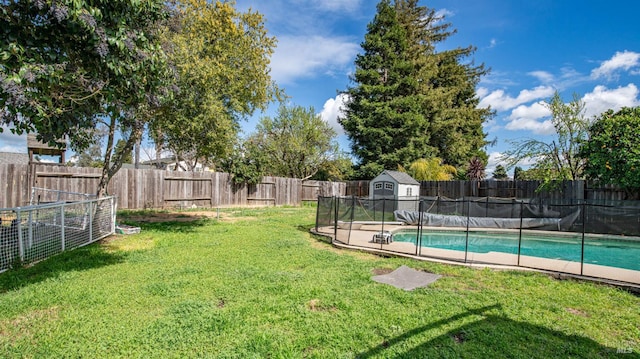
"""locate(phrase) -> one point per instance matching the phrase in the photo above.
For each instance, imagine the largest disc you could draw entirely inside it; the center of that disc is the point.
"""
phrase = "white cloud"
(500, 101)
(626, 60)
(533, 112)
(491, 126)
(495, 159)
(543, 76)
(527, 118)
(444, 13)
(498, 79)
(524, 163)
(567, 78)
(535, 117)
(526, 124)
(331, 110)
(10, 142)
(493, 43)
(602, 99)
(482, 92)
(300, 56)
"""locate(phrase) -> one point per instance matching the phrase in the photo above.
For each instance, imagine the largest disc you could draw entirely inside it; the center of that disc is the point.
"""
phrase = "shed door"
(383, 189)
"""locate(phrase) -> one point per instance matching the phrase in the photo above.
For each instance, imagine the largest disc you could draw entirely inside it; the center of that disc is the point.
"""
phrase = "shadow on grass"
(317, 237)
(181, 226)
(493, 336)
(84, 258)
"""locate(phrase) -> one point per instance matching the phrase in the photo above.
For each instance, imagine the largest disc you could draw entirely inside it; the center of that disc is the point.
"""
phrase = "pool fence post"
(353, 211)
(486, 207)
(384, 212)
(375, 204)
(19, 229)
(466, 244)
(335, 217)
(419, 237)
(317, 212)
(520, 234)
(62, 232)
(584, 205)
(90, 210)
(30, 230)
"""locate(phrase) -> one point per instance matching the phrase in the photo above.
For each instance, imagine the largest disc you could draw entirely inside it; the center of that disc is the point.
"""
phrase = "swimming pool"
(612, 252)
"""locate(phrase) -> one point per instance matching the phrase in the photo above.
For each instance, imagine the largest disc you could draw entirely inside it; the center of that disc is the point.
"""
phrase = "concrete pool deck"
(361, 239)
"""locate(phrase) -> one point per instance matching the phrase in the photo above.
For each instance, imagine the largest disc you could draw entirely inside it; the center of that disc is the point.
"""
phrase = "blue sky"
(591, 48)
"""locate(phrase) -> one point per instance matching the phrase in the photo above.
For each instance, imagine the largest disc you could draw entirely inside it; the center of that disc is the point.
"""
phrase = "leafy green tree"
(408, 101)
(612, 153)
(500, 173)
(221, 61)
(91, 157)
(531, 174)
(432, 169)
(127, 155)
(558, 159)
(247, 163)
(68, 65)
(517, 173)
(338, 168)
(296, 143)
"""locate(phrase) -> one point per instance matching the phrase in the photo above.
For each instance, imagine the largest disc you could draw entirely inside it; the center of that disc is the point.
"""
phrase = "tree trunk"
(136, 154)
(110, 168)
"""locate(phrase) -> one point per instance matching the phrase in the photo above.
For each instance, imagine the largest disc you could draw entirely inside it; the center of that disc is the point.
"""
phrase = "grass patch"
(255, 283)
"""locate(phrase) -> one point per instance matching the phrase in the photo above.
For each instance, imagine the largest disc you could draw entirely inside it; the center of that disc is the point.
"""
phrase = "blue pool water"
(618, 253)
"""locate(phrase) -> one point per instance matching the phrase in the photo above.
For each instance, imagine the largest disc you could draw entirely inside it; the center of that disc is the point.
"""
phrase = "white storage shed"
(399, 186)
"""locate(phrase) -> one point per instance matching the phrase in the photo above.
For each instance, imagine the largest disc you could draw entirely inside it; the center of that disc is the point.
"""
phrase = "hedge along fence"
(145, 188)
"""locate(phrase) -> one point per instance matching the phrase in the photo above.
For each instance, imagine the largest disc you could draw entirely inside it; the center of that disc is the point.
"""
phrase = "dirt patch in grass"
(21, 326)
(191, 216)
(157, 217)
(221, 303)
(315, 305)
(460, 338)
(577, 312)
(381, 271)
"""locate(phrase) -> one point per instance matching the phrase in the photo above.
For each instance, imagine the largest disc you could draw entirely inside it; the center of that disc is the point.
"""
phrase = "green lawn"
(256, 284)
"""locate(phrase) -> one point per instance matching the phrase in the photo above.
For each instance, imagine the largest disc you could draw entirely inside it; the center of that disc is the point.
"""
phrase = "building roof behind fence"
(10, 158)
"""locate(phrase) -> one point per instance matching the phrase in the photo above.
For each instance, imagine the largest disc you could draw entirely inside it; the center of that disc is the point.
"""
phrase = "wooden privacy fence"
(568, 190)
(143, 188)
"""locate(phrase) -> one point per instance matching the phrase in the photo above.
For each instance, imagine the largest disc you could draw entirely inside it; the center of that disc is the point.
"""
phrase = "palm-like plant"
(475, 169)
(431, 169)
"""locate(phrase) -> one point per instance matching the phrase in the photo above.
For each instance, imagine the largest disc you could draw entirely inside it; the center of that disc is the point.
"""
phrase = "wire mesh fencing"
(587, 238)
(34, 233)
(41, 195)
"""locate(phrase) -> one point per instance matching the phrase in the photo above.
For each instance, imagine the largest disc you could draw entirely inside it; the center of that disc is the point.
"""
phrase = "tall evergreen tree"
(446, 83)
(383, 116)
(438, 114)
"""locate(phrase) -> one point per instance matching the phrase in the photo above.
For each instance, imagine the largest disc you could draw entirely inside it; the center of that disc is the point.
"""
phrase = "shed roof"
(400, 177)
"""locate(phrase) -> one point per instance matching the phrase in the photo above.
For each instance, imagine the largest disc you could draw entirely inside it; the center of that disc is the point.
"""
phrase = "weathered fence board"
(143, 188)
(568, 190)
(14, 184)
